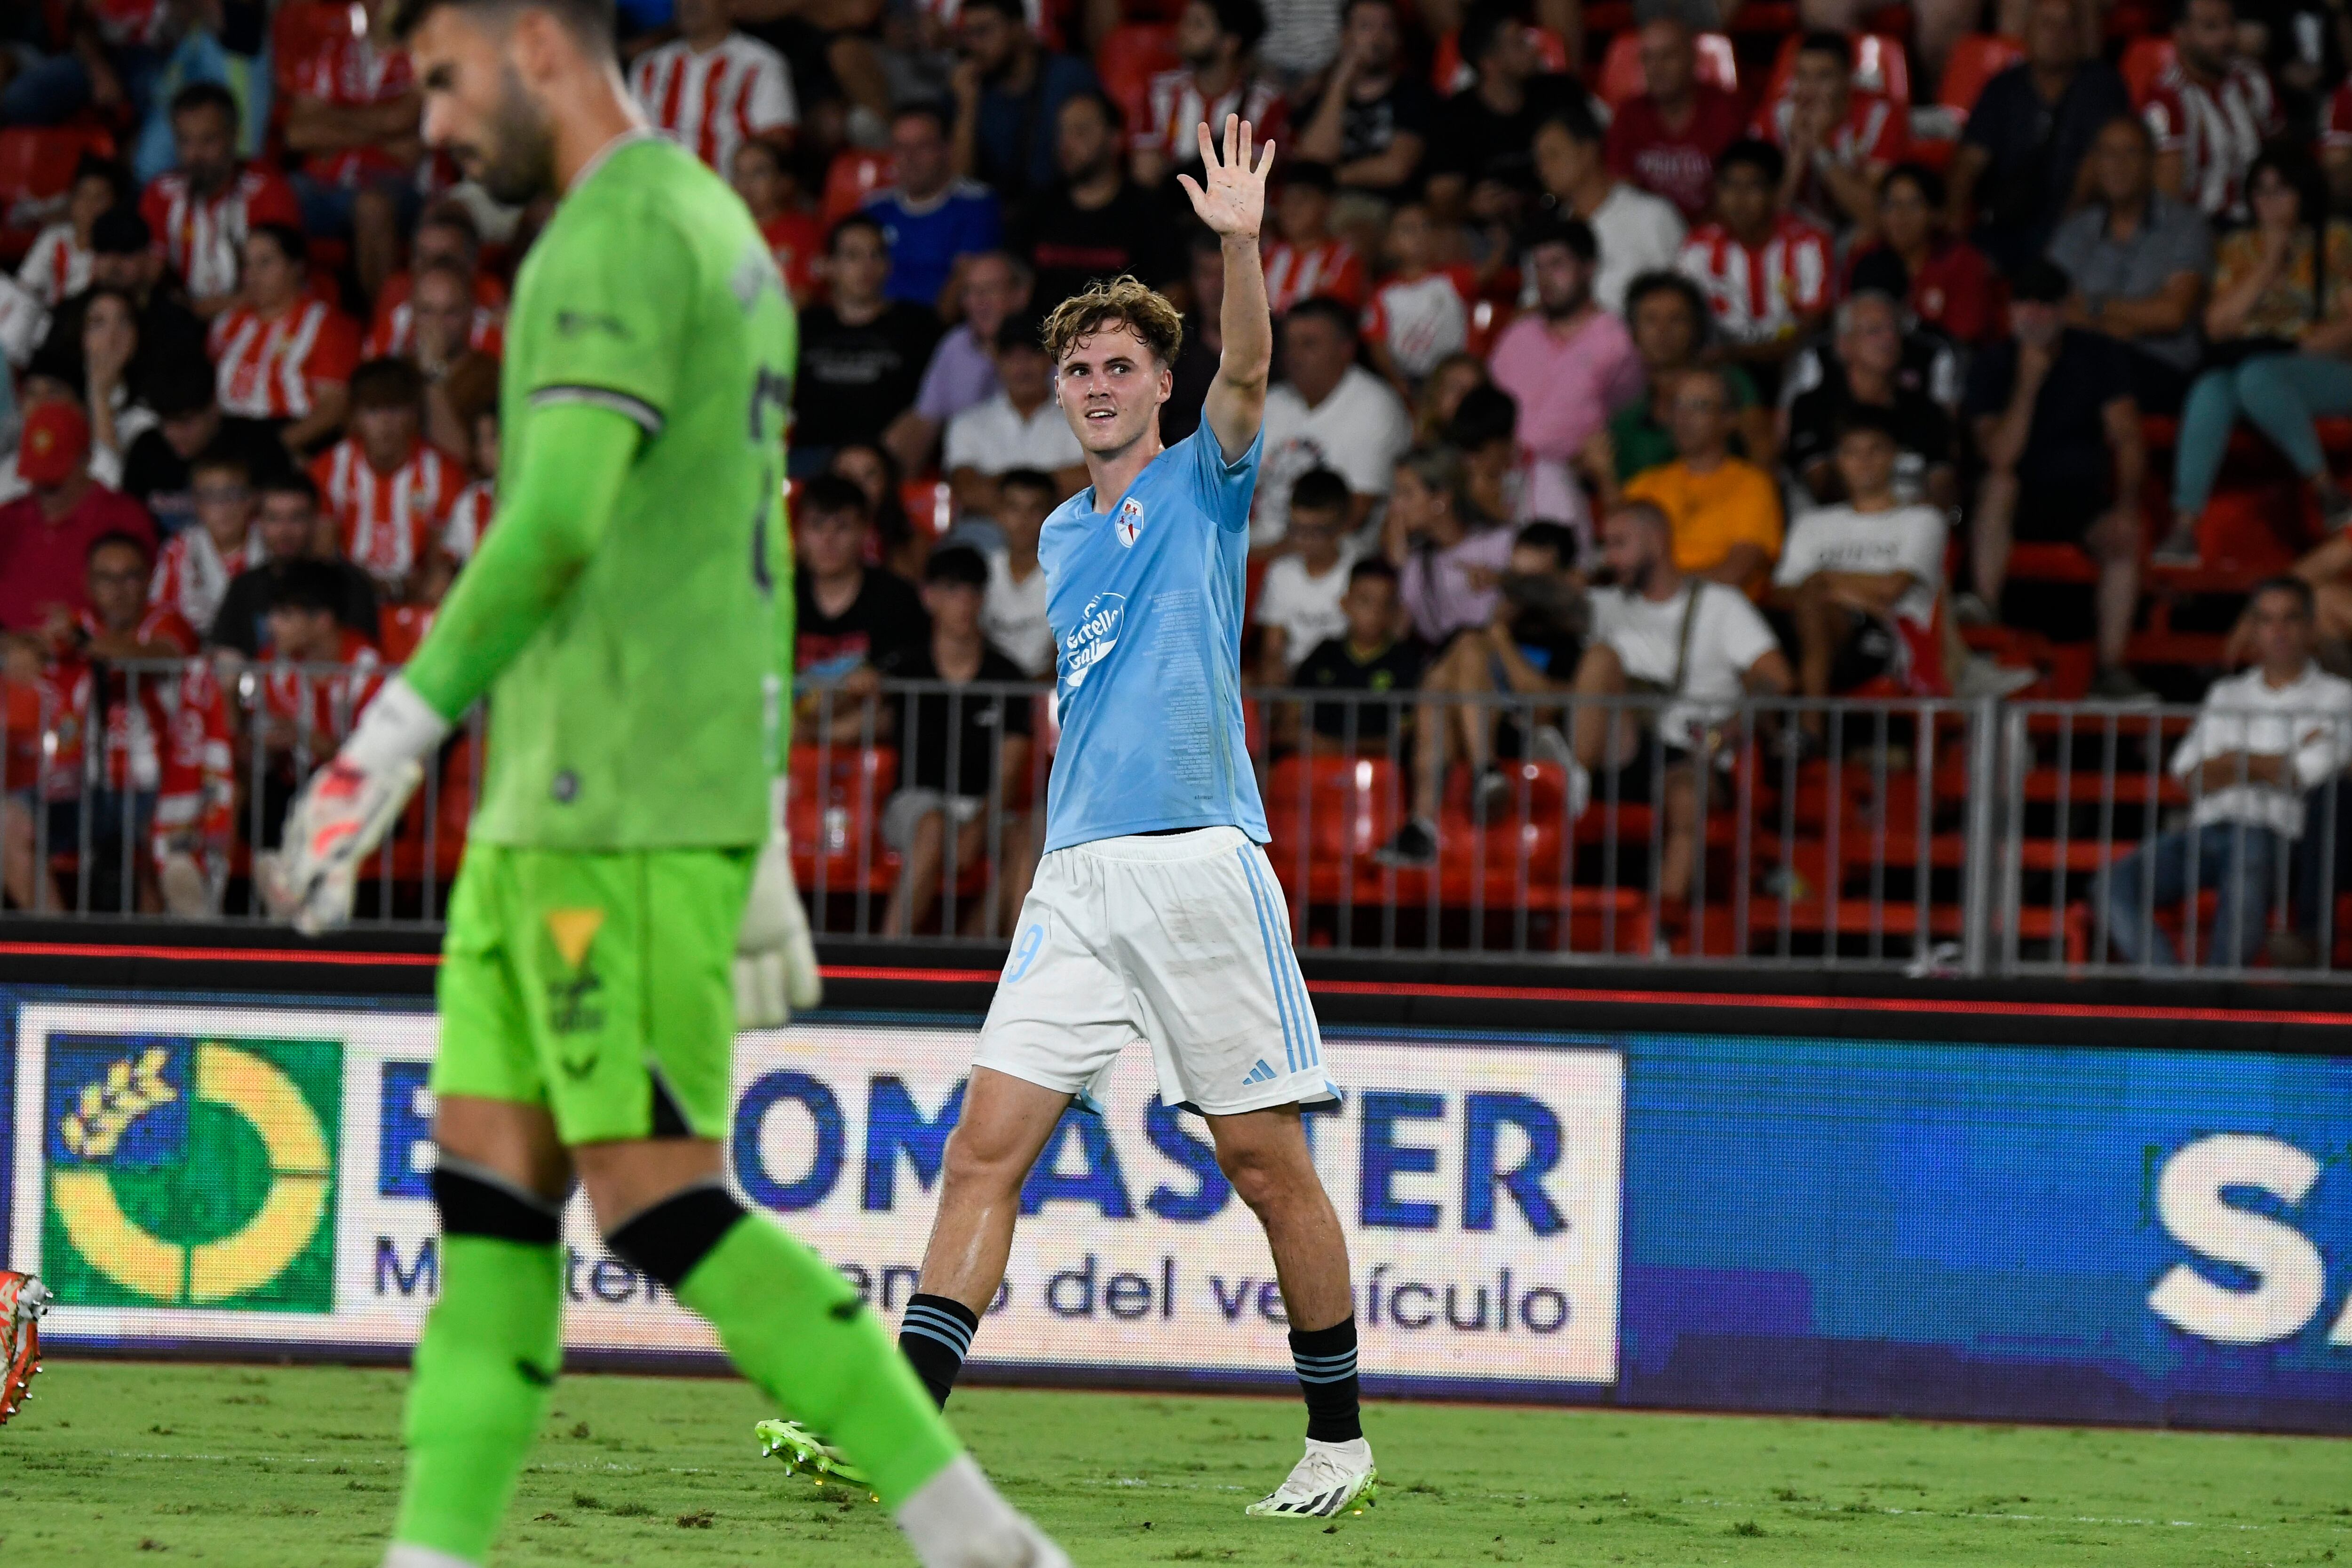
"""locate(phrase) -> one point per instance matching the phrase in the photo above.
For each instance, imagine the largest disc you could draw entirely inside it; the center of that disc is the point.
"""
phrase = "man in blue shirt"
(931, 220)
(1154, 915)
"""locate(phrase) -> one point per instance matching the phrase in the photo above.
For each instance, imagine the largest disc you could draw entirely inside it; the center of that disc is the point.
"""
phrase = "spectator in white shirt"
(1298, 604)
(1021, 427)
(1329, 412)
(1012, 614)
(1860, 579)
(2262, 740)
(1635, 231)
(1694, 640)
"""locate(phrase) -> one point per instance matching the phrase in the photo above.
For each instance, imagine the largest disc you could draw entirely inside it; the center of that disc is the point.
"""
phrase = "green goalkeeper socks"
(479, 1390)
(797, 1329)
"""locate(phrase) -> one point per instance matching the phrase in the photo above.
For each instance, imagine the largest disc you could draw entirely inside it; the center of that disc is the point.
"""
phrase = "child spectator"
(1946, 281)
(156, 468)
(1861, 580)
(1449, 556)
(862, 353)
(1372, 122)
(848, 614)
(957, 754)
(893, 539)
(57, 266)
(1484, 433)
(46, 535)
(288, 527)
(1724, 512)
(202, 212)
(1328, 412)
(1368, 656)
(1633, 232)
(794, 236)
(1013, 614)
(1767, 275)
(306, 712)
(1838, 143)
(2210, 111)
(1421, 313)
(197, 564)
(1022, 426)
(1309, 259)
(933, 222)
(713, 89)
(1570, 364)
(1298, 600)
(1667, 138)
(1214, 40)
(387, 493)
(284, 355)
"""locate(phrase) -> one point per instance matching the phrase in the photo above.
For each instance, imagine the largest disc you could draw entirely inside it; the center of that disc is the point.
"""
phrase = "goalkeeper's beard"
(518, 165)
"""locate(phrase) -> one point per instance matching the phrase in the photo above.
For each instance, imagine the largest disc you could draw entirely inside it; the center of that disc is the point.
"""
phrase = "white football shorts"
(1179, 938)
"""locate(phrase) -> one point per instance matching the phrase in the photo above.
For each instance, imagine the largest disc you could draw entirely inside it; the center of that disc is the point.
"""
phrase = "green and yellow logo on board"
(185, 1171)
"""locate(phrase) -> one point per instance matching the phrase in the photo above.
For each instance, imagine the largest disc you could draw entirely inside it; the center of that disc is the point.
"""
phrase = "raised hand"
(1232, 203)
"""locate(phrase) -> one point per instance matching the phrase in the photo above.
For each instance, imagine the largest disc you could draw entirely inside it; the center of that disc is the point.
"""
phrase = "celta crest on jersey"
(1129, 526)
(1096, 635)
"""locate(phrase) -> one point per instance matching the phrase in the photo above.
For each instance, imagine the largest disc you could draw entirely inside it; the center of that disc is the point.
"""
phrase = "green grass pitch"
(116, 1463)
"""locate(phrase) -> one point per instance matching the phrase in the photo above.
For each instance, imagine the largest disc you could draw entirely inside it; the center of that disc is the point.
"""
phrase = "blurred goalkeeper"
(626, 895)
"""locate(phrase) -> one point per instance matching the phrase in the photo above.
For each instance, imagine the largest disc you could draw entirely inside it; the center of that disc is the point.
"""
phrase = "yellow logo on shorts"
(572, 1001)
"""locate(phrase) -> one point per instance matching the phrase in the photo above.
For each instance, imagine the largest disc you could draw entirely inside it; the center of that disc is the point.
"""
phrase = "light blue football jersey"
(1146, 607)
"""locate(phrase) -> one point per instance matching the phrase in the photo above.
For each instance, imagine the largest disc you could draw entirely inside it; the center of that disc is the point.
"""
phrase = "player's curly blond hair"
(1120, 301)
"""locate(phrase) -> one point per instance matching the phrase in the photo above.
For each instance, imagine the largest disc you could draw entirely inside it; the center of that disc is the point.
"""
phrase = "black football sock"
(1326, 1359)
(935, 1337)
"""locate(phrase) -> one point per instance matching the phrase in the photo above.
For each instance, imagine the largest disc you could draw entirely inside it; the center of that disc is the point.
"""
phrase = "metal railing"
(1920, 835)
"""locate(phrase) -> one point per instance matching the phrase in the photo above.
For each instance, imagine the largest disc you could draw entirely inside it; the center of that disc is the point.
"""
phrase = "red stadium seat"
(2144, 60)
(1881, 70)
(403, 627)
(1449, 75)
(1621, 68)
(833, 803)
(38, 162)
(930, 504)
(1327, 816)
(1131, 55)
(856, 174)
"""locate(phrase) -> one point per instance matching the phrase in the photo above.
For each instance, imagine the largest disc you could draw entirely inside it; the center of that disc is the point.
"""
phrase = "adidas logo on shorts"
(1260, 1073)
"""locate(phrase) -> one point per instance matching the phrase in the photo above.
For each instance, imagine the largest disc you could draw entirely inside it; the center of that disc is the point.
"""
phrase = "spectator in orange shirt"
(1725, 511)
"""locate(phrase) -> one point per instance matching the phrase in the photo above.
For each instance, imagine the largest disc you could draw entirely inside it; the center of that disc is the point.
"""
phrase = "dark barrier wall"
(2091, 1211)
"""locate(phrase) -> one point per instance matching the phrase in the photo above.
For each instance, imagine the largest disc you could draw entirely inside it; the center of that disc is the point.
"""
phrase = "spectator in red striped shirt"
(57, 266)
(197, 564)
(1309, 259)
(1766, 274)
(1216, 39)
(201, 212)
(441, 321)
(714, 88)
(445, 233)
(1839, 144)
(284, 354)
(352, 114)
(2209, 111)
(387, 493)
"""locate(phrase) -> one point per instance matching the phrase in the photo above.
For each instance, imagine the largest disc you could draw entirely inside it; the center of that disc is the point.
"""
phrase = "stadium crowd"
(1799, 365)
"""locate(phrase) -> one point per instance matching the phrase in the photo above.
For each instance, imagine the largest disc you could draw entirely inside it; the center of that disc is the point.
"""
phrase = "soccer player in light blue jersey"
(1154, 915)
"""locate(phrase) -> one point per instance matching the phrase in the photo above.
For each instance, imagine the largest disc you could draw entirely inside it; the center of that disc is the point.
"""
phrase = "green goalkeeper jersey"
(646, 712)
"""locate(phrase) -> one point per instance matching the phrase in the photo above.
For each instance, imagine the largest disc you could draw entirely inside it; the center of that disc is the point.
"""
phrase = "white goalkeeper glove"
(347, 808)
(775, 962)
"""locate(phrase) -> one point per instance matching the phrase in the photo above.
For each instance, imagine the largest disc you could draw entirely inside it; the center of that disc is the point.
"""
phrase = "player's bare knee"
(985, 1160)
(1265, 1174)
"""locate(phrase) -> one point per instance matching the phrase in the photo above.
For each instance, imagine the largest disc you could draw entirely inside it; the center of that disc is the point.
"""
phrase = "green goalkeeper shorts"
(598, 985)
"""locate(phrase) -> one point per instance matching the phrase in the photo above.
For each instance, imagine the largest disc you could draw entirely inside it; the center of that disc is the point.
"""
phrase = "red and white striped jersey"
(1876, 134)
(469, 518)
(387, 521)
(1177, 109)
(192, 574)
(203, 238)
(323, 707)
(2217, 130)
(353, 73)
(711, 104)
(137, 710)
(1295, 272)
(1420, 320)
(56, 267)
(394, 332)
(197, 794)
(1758, 295)
(266, 366)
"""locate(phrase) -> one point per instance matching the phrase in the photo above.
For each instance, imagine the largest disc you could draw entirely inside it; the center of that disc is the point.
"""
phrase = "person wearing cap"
(46, 535)
(957, 753)
(2052, 410)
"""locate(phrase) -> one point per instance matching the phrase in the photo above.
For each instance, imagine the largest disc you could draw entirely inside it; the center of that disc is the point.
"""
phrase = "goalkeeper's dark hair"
(589, 21)
(1124, 300)
(311, 585)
